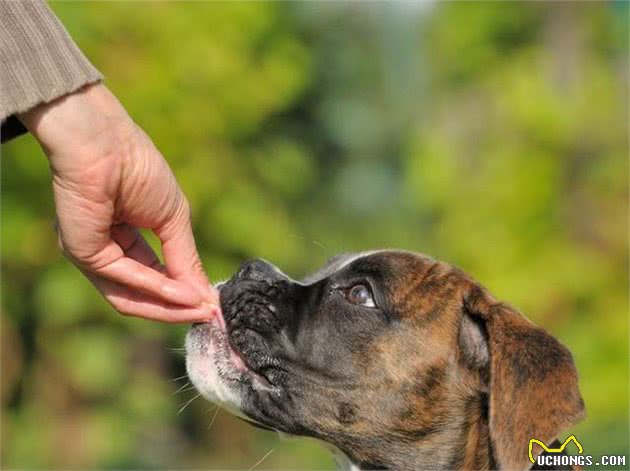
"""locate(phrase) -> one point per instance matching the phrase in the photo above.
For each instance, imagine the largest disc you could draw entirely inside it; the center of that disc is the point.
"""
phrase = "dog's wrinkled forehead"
(334, 264)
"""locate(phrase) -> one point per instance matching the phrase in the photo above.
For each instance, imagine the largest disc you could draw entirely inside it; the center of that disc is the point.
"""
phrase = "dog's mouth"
(214, 342)
(252, 324)
(228, 358)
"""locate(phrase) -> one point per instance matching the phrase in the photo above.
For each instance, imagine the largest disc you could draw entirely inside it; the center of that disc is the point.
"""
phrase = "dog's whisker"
(178, 378)
(183, 388)
(187, 404)
(214, 417)
(312, 241)
(262, 459)
(319, 244)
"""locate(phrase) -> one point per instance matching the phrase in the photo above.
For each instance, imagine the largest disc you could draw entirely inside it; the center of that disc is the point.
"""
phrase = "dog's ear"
(530, 377)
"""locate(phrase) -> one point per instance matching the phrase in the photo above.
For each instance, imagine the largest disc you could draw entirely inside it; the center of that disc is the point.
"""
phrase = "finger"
(180, 254)
(130, 273)
(137, 304)
(136, 247)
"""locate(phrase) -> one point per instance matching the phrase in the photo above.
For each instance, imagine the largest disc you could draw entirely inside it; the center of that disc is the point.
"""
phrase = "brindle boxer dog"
(398, 360)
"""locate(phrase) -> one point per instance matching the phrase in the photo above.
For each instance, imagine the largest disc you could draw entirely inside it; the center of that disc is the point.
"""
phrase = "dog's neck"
(463, 442)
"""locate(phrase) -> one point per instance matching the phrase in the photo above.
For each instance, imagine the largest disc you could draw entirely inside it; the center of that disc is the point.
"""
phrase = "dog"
(397, 360)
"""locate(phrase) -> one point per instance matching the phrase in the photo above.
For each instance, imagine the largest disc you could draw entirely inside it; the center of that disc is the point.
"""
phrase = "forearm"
(40, 62)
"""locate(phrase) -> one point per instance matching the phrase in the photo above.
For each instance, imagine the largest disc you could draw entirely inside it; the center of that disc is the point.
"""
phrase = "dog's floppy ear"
(531, 378)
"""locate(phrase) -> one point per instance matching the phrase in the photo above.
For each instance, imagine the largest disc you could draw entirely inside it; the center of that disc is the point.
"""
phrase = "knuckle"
(179, 220)
(197, 266)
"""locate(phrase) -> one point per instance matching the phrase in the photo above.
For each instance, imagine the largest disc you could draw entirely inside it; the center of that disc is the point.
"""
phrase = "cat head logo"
(553, 450)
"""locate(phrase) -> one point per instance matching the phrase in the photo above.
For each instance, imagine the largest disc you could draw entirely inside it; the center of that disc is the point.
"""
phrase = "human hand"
(109, 180)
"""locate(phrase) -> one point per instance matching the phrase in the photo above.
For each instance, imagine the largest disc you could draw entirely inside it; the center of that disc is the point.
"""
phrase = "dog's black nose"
(260, 270)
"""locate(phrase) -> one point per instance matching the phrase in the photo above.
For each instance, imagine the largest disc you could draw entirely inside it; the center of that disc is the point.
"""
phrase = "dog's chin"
(216, 370)
(213, 367)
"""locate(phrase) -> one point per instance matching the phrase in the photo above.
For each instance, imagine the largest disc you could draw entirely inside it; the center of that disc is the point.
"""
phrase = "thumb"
(181, 257)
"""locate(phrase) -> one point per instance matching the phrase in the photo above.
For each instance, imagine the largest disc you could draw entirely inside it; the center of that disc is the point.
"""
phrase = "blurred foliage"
(491, 135)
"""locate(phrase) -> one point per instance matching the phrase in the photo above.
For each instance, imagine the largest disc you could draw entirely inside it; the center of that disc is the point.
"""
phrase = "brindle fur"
(453, 379)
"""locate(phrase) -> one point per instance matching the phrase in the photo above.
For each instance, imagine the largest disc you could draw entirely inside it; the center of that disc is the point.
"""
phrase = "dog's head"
(385, 350)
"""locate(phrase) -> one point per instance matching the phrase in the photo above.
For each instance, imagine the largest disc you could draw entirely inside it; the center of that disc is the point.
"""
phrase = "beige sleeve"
(38, 60)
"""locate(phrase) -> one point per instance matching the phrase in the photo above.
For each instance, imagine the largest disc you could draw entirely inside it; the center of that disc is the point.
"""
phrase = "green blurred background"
(490, 135)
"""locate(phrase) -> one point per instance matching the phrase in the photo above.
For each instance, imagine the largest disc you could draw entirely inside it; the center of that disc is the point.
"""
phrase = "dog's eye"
(360, 294)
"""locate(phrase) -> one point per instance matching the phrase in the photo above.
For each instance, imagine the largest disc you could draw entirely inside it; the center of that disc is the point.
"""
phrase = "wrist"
(91, 116)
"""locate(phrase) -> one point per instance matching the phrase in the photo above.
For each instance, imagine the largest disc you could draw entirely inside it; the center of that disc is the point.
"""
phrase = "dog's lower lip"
(236, 355)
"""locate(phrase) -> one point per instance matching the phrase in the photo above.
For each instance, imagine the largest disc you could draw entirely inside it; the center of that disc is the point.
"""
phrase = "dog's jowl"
(399, 361)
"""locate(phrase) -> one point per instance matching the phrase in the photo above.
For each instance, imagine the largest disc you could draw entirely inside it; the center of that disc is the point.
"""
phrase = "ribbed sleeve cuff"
(38, 60)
